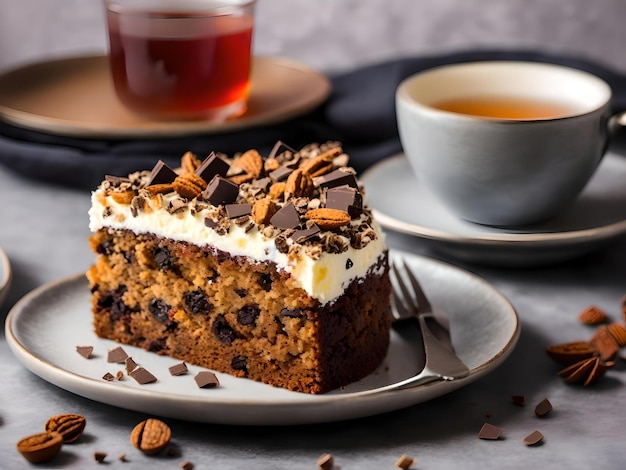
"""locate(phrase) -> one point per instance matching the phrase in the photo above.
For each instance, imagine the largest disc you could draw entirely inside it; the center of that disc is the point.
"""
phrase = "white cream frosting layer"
(324, 279)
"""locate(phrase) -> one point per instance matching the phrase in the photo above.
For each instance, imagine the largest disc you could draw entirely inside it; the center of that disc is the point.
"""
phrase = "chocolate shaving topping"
(281, 174)
(117, 355)
(279, 148)
(238, 210)
(300, 236)
(210, 223)
(116, 180)
(179, 369)
(142, 376)
(161, 174)
(221, 191)
(212, 166)
(85, 351)
(286, 218)
(337, 178)
(206, 379)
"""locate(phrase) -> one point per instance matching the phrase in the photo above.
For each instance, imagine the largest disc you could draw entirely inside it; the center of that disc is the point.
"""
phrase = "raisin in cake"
(267, 268)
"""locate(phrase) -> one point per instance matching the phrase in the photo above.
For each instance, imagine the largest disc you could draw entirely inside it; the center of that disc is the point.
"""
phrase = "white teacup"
(504, 143)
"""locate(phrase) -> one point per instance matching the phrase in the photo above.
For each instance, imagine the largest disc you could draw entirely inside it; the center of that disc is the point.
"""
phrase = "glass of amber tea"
(181, 59)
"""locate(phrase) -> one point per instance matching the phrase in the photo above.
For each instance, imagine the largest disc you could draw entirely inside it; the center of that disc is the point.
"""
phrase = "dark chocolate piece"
(131, 365)
(117, 355)
(238, 210)
(349, 263)
(286, 218)
(337, 178)
(281, 173)
(211, 167)
(262, 183)
(206, 379)
(108, 377)
(179, 369)
(490, 432)
(161, 174)
(186, 465)
(533, 438)
(543, 408)
(142, 376)
(116, 180)
(99, 456)
(279, 148)
(519, 400)
(300, 236)
(210, 223)
(85, 351)
(221, 191)
(345, 198)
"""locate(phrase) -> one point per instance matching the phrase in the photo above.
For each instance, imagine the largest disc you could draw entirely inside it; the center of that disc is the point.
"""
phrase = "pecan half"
(164, 188)
(151, 436)
(604, 343)
(570, 353)
(321, 164)
(123, 197)
(251, 162)
(328, 219)
(70, 426)
(41, 447)
(593, 315)
(189, 185)
(189, 163)
(263, 210)
(299, 184)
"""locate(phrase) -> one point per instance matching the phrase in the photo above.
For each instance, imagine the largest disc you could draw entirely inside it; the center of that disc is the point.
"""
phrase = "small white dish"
(402, 203)
(5, 275)
(44, 328)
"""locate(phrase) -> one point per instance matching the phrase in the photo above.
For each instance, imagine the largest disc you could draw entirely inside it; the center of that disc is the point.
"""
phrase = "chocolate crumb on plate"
(206, 379)
(533, 438)
(122, 458)
(405, 462)
(99, 456)
(543, 407)
(187, 465)
(117, 355)
(519, 400)
(119, 375)
(490, 432)
(108, 377)
(325, 461)
(142, 376)
(179, 369)
(85, 351)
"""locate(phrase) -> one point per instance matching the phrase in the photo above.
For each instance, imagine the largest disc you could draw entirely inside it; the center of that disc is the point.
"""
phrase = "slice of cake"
(267, 268)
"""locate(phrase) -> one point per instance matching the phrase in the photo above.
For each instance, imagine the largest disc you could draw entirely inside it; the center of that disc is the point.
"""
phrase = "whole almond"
(604, 343)
(70, 426)
(618, 332)
(151, 436)
(570, 353)
(328, 219)
(41, 447)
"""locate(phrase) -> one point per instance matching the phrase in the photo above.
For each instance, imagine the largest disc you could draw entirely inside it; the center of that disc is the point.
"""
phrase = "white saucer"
(44, 328)
(402, 203)
(5, 275)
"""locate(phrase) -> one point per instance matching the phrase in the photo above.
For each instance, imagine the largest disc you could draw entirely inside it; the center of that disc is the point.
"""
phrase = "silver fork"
(441, 361)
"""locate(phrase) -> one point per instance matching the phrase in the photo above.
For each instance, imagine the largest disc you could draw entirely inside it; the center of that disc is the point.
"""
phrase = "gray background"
(336, 35)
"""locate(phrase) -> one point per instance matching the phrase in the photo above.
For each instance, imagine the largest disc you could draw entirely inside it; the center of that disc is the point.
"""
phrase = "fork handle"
(438, 356)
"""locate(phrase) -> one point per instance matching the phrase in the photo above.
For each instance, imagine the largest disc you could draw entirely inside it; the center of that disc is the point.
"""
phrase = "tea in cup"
(181, 59)
(504, 143)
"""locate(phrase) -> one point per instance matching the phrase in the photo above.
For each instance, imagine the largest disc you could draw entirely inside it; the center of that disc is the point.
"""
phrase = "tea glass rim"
(208, 8)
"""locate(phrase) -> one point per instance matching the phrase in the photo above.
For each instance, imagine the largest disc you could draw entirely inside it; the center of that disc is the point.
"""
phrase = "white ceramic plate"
(44, 328)
(75, 97)
(402, 203)
(5, 275)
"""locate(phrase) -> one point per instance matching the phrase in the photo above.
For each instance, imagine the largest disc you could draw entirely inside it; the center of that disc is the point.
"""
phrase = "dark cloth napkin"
(360, 112)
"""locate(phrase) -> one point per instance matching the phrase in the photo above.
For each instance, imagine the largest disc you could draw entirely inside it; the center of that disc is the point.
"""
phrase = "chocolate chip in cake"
(85, 351)
(163, 258)
(265, 282)
(349, 263)
(490, 432)
(212, 166)
(221, 191)
(223, 330)
(242, 293)
(238, 210)
(337, 178)
(286, 218)
(161, 174)
(112, 301)
(156, 345)
(292, 313)
(159, 309)
(206, 379)
(197, 302)
(239, 363)
(248, 315)
(142, 376)
(117, 355)
(179, 369)
(105, 248)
